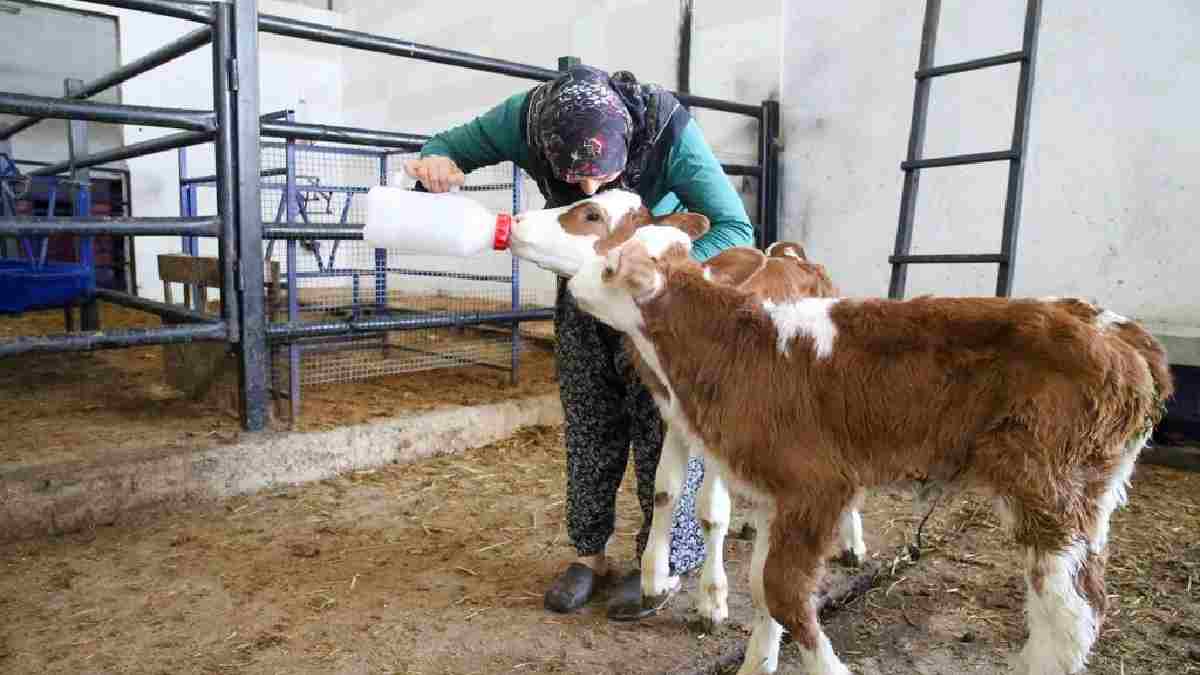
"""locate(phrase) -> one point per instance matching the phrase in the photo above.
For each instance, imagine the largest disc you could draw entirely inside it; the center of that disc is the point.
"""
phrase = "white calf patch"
(1109, 318)
(659, 238)
(618, 203)
(809, 317)
(789, 252)
(1114, 497)
(1062, 625)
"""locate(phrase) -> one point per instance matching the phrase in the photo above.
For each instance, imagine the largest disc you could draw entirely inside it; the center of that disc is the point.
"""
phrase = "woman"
(576, 135)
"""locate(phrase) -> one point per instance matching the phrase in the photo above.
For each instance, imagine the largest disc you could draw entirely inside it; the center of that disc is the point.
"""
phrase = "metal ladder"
(1015, 155)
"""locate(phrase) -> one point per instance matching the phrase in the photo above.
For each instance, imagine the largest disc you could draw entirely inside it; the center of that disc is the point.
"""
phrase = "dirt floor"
(439, 567)
(73, 406)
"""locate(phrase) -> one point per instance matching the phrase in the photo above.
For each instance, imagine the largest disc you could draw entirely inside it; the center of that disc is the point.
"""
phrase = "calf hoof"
(849, 558)
(626, 602)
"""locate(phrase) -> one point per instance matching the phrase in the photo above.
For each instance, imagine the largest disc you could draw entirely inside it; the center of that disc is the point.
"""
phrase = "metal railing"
(235, 128)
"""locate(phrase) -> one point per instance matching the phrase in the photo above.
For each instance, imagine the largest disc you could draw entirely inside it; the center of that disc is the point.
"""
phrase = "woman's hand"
(437, 174)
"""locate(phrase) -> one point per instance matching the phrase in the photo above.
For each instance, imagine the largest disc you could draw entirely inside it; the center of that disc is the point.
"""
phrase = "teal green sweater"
(693, 179)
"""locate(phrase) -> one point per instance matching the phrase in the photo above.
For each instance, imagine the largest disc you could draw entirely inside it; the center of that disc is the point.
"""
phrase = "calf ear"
(696, 225)
(631, 267)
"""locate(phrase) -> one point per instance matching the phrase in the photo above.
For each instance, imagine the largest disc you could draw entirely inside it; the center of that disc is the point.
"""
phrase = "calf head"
(562, 240)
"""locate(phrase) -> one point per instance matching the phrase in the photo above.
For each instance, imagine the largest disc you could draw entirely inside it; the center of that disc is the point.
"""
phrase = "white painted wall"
(1110, 197)
(70, 44)
(295, 74)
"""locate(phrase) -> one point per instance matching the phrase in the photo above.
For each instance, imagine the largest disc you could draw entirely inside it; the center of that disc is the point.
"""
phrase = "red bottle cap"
(503, 232)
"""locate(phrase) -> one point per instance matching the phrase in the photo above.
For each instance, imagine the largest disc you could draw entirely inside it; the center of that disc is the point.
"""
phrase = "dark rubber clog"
(572, 589)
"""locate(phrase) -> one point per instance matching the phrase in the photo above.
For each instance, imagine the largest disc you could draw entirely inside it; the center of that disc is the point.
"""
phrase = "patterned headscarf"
(585, 126)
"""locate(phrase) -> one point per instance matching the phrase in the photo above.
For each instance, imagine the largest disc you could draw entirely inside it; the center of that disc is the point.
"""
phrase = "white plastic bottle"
(445, 224)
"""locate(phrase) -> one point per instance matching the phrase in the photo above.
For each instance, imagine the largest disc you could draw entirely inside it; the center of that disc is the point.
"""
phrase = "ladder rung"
(949, 258)
(976, 64)
(954, 160)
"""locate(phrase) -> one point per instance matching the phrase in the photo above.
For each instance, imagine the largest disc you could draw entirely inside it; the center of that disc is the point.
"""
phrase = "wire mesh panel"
(330, 280)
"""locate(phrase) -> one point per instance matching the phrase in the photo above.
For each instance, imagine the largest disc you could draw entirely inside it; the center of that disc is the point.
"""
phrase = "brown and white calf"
(1042, 404)
(562, 240)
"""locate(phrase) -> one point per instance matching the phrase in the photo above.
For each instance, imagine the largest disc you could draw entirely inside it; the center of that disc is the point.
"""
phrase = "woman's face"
(591, 184)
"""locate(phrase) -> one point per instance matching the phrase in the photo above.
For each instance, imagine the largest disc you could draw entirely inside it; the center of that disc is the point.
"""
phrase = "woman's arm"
(695, 176)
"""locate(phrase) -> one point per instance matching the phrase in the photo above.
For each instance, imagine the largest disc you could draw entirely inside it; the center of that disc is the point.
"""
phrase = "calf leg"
(714, 508)
(850, 534)
(801, 536)
(762, 653)
(1064, 599)
(668, 484)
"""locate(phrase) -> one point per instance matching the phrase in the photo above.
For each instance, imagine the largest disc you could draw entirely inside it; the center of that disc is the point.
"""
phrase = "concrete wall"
(1110, 202)
(295, 74)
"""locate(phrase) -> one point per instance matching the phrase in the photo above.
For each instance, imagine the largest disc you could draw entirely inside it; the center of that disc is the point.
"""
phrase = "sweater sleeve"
(491, 138)
(696, 177)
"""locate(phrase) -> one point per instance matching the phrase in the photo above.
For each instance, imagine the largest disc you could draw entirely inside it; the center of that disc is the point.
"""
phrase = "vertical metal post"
(761, 208)
(381, 260)
(131, 285)
(1020, 145)
(226, 167)
(916, 145)
(769, 182)
(188, 245)
(77, 146)
(292, 197)
(516, 281)
(255, 359)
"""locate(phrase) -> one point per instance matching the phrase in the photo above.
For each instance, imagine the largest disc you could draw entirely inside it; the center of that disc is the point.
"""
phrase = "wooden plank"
(188, 269)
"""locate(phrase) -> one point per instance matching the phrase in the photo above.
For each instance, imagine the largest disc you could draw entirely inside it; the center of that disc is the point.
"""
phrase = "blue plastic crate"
(25, 287)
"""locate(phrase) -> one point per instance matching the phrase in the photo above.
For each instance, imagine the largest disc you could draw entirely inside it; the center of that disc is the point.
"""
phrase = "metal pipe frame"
(298, 233)
(201, 12)
(768, 187)
(336, 149)
(292, 203)
(253, 351)
(396, 47)
(347, 135)
(162, 309)
(170, 142)
(85, 342)
(286, 332)
(236, 127)
(742, 170)
(114, 113)
(212, 178)
(226, 173)
(403, 271)
(27, 226)
(158, 57)
(515, 327)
